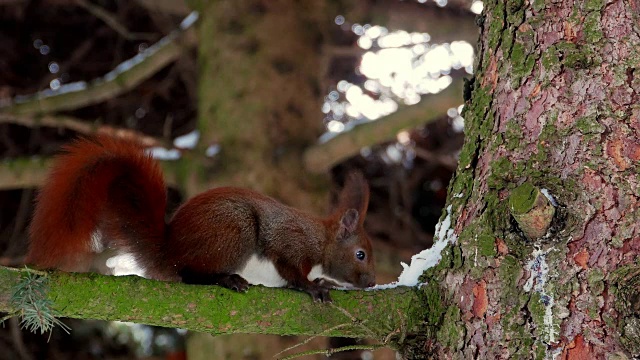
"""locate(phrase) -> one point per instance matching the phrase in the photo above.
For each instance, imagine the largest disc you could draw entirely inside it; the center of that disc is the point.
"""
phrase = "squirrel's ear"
(348, 224)
(355, 194)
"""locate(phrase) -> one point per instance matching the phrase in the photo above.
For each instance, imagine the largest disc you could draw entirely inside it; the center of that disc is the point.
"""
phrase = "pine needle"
(29, 297)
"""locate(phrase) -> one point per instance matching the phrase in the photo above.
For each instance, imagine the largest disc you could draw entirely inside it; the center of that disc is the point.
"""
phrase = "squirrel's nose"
(371, 284)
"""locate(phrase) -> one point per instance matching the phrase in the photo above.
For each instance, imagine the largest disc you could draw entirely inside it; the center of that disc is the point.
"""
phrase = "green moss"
(496, 23)
(539, 351)
(593, 310)
(619, 77)
(594, 5)
(594, 279)
(496, 217)
(445, 262)
(550, 130)
(509, 272)
(217, 310)
(590, 125)
(582, 57)
(507, 41)
(452, 333)
(550, 60)
(630, 336)
(513, 135)
(501, 168)
(617, 241)
(522, 198)
(486, 126)
(515, 12)
(457, 257)
(540, 156)
(463, 183)
(591, 27)
(479, 108)
(432, 301)
(523, 56)
(537, 306)
(521, 341)
(625, 284)
(487, 245)
(537, 310)
(467, 154)
(538, 5)
(518, 57)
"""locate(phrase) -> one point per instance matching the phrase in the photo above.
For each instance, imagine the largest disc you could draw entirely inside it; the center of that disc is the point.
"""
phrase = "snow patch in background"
(161, 153)
(187, 141)
(212, 150)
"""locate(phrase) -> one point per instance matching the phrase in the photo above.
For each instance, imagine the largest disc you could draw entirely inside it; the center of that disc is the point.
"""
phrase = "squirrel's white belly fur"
(261, 271)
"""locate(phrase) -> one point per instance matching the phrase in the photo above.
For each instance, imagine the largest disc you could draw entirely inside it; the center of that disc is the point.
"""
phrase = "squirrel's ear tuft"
(355, 194)
(348, 224)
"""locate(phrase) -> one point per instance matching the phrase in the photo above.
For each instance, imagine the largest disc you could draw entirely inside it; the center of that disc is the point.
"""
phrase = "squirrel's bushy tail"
(101, 192)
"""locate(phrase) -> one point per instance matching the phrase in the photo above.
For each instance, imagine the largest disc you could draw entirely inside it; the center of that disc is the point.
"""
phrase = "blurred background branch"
(322, 157)
(124, 77)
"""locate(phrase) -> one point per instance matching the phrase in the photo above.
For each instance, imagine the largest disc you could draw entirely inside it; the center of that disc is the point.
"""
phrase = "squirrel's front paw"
(325, 283)
(319, 294)
(234, 282)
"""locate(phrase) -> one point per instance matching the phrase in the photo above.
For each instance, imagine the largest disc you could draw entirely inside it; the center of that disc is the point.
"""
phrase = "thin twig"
(311, 338)
(354, 320)
(329, 352)
(403, 326)
(26, 269)
(9, 316)
(113, 23)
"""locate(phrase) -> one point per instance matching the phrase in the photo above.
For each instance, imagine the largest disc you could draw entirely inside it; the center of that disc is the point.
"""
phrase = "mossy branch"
(23, 173)
(320, 158)
(216, 310)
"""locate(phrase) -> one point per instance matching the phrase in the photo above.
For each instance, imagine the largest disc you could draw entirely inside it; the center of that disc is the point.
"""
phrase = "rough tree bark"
(554, 105)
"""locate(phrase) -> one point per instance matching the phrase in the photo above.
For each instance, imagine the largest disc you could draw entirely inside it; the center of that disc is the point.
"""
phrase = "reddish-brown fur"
(97, 184)
(111, 186)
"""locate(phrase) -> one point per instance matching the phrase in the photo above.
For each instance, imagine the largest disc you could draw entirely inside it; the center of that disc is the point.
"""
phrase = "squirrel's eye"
(360, 255)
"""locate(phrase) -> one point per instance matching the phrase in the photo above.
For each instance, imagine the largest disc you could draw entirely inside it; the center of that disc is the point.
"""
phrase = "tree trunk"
(554, 107)
(259, 95)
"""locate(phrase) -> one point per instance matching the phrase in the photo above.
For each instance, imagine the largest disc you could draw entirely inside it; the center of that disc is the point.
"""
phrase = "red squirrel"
(105, 192)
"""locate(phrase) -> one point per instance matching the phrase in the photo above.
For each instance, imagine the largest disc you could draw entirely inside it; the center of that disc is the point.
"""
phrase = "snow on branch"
(124, 77)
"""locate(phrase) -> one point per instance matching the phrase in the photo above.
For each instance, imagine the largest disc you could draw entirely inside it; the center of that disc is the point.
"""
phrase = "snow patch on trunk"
(426, 259)
(539, 270)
